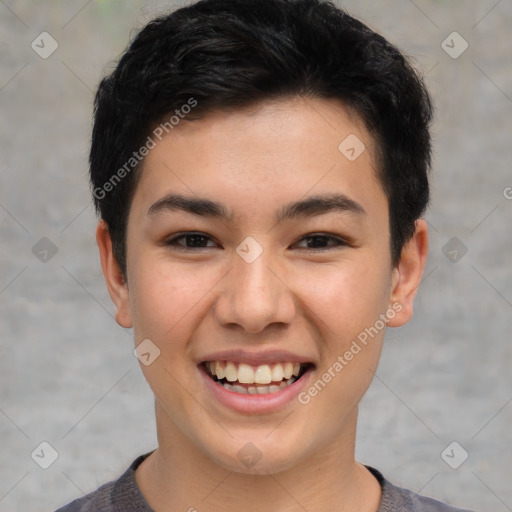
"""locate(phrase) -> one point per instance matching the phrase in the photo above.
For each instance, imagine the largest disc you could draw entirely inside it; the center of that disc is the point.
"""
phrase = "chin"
(255, 457)
(263, 466)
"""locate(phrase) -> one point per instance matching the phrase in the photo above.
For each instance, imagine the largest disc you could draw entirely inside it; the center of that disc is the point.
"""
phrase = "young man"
(260, 168)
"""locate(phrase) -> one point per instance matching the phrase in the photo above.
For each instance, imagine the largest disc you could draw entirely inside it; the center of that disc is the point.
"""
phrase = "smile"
(253, 380)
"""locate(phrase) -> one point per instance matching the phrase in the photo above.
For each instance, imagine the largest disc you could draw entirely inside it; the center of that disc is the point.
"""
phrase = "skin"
(311, 301)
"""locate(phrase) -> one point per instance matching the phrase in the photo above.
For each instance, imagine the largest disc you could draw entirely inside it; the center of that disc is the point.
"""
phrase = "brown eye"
(322, 242)
(191, 241)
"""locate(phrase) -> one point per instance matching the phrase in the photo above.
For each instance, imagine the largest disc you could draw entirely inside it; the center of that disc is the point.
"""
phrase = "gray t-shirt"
(123, 495)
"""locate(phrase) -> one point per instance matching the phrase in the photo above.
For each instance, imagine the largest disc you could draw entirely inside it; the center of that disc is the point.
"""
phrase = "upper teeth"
(247, 374)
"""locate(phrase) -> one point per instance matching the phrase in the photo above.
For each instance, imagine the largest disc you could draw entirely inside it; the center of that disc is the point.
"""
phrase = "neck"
(178, 476)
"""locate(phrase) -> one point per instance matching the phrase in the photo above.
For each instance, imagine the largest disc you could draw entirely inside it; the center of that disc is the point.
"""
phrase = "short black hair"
(228, 54)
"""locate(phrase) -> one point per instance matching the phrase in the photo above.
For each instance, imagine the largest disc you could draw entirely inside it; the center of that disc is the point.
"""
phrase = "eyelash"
(173, 242)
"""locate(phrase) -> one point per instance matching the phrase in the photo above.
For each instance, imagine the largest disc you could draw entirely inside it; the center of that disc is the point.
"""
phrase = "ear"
(116, 285)
(407, 275)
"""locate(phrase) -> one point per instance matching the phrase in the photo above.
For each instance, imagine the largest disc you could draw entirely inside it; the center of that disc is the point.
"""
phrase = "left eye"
(318, 241)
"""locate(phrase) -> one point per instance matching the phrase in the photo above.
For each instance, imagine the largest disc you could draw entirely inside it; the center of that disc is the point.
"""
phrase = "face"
(259, 266)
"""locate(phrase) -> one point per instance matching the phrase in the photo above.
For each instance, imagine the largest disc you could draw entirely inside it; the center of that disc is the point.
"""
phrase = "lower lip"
(255, 404)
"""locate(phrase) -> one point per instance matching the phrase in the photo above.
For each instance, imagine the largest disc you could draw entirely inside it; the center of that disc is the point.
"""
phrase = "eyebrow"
(310, 207)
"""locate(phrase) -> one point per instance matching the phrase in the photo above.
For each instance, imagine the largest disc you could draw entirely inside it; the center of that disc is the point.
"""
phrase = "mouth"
(247, 379)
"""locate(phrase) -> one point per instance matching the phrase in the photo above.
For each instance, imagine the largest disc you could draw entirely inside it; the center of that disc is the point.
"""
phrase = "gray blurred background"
(68, 376)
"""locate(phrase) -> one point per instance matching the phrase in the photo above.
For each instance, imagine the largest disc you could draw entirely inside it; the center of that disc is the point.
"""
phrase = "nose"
(254, 296)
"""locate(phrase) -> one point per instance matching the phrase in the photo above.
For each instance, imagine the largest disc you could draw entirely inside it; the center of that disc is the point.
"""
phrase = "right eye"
(193, 241)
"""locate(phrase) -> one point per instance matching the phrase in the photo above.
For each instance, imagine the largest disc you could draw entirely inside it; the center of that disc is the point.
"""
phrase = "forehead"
(266, 155)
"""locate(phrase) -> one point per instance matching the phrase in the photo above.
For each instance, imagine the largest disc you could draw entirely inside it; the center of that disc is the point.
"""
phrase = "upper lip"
(256, 358)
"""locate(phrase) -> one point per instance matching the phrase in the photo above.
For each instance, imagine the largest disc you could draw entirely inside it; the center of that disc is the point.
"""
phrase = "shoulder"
(121, 495)
(398, 499)
(101, 499)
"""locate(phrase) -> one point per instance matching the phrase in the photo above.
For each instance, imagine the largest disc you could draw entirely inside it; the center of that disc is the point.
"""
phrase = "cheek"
(344, 298)
(347, 304)
(167, 300)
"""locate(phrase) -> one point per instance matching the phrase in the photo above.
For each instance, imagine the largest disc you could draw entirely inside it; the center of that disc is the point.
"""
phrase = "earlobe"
(407, 275)
(116, 285)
